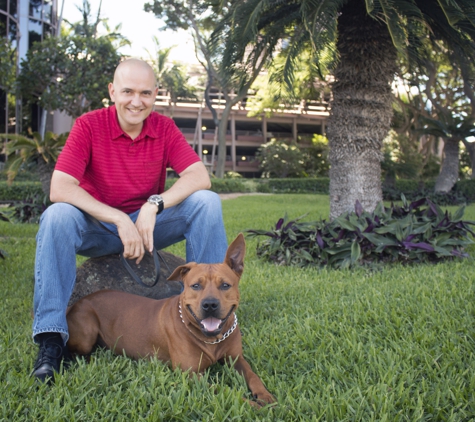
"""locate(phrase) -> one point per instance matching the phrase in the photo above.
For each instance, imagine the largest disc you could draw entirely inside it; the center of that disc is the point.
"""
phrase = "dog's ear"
(181, 271)
(235, 254)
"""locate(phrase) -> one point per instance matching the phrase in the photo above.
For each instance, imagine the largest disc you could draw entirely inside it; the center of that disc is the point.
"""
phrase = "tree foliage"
(403, 159)
(436, 102)
(364, 37)
(281, 158)
(7, 65)
(234, 80)
(272, 95)
(70, 73)
(172, 78)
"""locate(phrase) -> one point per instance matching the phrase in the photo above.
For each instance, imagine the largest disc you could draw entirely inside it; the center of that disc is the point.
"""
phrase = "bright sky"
(138, 27)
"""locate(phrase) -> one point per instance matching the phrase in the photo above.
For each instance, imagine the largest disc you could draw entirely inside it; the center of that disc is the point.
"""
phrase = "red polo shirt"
(117, 170)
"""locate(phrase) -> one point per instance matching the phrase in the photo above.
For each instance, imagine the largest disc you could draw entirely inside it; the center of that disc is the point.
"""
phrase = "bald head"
(133, 91)
(131, 67)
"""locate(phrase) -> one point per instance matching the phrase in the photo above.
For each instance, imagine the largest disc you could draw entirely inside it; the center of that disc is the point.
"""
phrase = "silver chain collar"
(225, 335)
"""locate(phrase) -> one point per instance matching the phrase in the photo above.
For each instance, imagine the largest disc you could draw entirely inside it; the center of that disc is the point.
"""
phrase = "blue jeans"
(66, 231)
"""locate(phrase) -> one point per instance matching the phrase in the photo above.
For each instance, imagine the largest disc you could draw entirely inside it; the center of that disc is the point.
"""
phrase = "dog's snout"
(210, 304)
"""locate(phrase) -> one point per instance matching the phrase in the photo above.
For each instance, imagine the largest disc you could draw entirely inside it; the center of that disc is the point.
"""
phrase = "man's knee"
(206, 199)
(59, 215)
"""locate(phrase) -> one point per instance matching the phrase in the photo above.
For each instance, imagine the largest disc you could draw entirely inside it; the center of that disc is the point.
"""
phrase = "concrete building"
(23, 22)
(245, 134)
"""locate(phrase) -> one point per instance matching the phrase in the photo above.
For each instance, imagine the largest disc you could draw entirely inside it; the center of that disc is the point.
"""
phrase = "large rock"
(108, 272)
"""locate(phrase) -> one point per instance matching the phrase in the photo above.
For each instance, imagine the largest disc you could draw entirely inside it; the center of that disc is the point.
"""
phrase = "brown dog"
(191, 331)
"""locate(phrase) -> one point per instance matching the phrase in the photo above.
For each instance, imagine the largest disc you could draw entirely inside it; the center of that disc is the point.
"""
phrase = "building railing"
(217, 99)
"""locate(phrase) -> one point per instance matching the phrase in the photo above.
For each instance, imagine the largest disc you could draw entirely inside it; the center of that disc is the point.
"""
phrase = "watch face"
(155, 199)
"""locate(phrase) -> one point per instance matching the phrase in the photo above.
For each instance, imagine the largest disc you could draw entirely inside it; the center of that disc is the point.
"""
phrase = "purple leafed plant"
(412, 232)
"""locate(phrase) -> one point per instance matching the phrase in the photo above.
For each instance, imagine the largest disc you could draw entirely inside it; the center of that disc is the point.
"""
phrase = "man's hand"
(131, 239)
(145, 224)
(65, 188)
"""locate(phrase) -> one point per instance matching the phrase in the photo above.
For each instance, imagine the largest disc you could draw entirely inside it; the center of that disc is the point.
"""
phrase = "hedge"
(20, 190)
(300, 185)
(467, 188)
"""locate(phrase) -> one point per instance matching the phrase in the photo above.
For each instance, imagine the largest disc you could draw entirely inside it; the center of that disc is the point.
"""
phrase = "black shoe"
(51, 355)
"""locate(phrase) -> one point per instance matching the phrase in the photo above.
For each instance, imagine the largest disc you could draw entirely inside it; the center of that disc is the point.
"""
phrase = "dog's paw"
(262, 399)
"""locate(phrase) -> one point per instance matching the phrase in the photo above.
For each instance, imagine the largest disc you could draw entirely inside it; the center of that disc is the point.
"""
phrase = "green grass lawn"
(394, 345)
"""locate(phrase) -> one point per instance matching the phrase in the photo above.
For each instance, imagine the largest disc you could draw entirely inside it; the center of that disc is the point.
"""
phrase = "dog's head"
(211, 291)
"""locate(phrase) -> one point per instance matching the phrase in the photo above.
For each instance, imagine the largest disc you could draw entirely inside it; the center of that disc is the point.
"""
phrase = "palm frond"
(414, 27)
(452, 11)
(22, 150)
(395, 26)
(320, 19)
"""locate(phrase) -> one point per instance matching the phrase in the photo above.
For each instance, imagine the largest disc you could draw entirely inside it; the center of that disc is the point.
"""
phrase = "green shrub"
(19, 191)
(404, 185)
(467, 188)
(443, 199)
(28, 210)
(295, 185)
(22, 176)
(225, 185)
(228, 185)
(281, 158)
(407, 234)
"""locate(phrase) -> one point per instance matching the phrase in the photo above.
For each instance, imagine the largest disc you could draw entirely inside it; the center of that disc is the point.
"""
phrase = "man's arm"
(192, 179)
(65, 188)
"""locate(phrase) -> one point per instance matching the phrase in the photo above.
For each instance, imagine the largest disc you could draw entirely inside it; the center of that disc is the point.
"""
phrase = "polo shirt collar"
(116, 131)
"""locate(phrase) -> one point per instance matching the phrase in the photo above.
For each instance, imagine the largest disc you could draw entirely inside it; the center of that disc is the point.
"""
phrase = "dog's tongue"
(211, 324)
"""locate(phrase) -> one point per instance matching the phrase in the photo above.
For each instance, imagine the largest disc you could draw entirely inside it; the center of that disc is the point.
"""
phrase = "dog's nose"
(210, 304)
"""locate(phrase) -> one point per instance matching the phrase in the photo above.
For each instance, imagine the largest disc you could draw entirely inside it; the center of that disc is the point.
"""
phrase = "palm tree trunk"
(449, 171)
(45, 171)
(361, 110)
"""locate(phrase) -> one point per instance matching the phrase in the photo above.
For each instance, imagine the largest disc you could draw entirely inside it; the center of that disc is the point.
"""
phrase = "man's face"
(133, 92)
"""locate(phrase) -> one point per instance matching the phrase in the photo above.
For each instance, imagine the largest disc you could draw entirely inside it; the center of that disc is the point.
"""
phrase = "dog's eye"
(225, 286)
(196, 286)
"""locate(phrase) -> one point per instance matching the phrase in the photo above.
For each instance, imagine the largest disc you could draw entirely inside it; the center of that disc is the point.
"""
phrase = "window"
(48, 11)
(3, 25)
(35, 32)
(13, 9)
(35, 9)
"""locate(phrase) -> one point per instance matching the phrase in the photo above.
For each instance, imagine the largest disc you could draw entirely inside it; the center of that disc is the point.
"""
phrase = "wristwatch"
(156, 200)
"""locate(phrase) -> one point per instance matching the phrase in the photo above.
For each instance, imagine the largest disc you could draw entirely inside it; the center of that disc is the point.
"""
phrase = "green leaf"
(443, 251)
(345, 224)
(458, 214)
(379, 240)
(355, 251)
(423, 228)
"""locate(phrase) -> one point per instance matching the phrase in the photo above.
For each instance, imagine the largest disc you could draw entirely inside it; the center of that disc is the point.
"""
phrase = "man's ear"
(235, 254)
(112, 92)
(181, 271)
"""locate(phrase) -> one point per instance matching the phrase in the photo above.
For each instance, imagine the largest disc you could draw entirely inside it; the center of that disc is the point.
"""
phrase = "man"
(113, 168)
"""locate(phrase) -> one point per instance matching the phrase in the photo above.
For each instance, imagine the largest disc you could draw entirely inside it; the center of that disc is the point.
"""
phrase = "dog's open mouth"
(211, 326)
